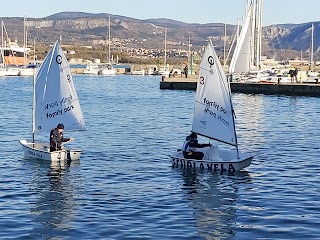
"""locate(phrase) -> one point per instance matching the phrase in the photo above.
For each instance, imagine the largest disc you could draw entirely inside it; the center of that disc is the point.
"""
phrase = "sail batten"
(56, 100)
(213, 113)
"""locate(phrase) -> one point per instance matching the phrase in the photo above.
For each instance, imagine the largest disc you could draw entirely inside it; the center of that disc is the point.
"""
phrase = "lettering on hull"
(34, 154)
(215, 167)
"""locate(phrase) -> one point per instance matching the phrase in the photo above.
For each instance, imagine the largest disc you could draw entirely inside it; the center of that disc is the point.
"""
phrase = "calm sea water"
(124, 186)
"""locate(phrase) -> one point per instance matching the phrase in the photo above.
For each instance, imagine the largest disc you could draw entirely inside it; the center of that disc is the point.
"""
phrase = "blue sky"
(191, 11)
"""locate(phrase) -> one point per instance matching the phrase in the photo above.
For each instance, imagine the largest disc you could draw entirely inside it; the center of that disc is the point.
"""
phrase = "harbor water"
(124, 186)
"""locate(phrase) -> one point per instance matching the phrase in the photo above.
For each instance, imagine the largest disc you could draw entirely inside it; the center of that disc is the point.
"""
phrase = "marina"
(188, 129)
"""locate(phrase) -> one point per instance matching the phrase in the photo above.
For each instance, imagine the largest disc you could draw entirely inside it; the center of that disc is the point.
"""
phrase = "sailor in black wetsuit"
(56, 138)
(190, 147)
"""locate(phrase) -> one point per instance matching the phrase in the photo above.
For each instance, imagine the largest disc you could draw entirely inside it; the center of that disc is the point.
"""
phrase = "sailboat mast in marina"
(258, 31)
(311, 49)
(164, 70)
(109, 41)
(165, 47)
(108, 69)
(2, 54)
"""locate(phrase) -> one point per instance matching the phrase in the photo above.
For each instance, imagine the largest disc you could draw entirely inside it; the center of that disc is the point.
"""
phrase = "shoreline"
(293, 89)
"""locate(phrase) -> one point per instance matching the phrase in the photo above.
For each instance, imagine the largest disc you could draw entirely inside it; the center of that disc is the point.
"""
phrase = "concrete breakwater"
(250, 88)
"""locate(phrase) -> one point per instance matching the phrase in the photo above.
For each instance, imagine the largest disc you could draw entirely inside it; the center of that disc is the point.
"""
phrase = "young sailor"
(56, 138)
(190, 147)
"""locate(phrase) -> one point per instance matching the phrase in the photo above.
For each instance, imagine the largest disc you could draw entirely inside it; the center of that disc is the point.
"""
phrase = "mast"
(259, 32)
(233, 116)
(253, 36)
(33, 105)
(311, 48)
(165, 47)
(189, 51)
(24, 40)
(2, 50)
(109, 41)
(1, 34)
(300, 63)
(34, 50)
(234, 40)
(224, 40)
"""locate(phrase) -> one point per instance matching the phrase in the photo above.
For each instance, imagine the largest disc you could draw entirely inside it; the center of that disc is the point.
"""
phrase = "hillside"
(79, 28)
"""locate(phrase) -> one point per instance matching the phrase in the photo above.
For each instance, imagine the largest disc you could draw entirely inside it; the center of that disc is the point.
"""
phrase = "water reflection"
(54, 206)
(213, 198)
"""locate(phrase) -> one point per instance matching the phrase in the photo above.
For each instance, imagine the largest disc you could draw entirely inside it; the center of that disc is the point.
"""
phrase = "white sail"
(56, 100)
(242, 57)
(213, 113)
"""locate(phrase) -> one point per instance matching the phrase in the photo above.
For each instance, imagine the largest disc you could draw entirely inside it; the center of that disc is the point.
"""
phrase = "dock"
(295, 89)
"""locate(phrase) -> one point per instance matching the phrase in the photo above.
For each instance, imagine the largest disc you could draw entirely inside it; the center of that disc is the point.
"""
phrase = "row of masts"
(254, 10)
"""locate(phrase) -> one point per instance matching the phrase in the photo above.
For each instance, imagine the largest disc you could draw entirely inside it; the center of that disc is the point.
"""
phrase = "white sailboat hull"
(109, 72)
(164, 72)
(2, 72)
(27, 71)
(138, 72)
(216, 160)
(12, 72)
(41, 151)
(91, 69)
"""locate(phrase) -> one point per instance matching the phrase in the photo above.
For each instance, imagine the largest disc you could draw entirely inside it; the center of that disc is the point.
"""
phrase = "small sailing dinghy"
(214, 118)
(55, 101)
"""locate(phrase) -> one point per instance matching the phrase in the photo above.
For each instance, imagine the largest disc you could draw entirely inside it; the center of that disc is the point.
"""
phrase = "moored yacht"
(91, 69)
(164, 71)
(153, 71)
(108, 70)
(138, 72)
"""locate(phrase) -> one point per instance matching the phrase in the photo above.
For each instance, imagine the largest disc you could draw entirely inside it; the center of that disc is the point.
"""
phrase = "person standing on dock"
(186, 71)
(295, 74)
(291, 73)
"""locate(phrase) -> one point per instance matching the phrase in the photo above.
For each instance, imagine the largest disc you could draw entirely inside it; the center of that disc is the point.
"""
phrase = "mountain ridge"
(83, 28)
